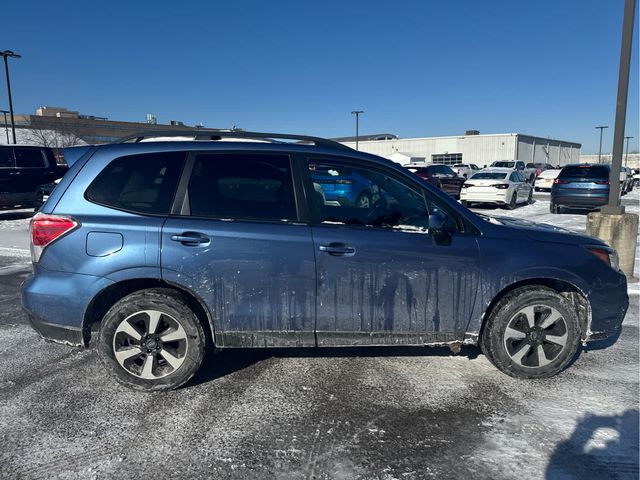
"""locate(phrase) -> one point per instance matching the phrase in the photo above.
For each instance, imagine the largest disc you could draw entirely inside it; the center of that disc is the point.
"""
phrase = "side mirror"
(437, 222)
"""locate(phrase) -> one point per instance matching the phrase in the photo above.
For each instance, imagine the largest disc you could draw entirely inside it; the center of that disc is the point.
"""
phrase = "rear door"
(237, 243)
(382, 278)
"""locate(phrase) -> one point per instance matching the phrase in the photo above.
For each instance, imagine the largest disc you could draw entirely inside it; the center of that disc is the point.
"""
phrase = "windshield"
(489, 176)
(441, 171)
(503, 164)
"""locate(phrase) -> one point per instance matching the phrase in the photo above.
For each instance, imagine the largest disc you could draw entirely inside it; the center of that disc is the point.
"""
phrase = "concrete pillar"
(619, 232)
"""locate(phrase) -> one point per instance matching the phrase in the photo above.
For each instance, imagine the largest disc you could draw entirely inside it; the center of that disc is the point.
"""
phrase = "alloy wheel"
(535, 336)
(150, 344)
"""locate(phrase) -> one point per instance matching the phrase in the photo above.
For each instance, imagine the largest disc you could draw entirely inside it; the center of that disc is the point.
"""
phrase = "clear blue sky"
(418, 68)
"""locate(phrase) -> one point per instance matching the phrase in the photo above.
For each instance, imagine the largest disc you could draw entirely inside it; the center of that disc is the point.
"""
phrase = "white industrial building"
(472, 148)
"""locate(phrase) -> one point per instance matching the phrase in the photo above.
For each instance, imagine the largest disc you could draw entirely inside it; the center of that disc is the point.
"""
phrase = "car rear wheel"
(530, 197)
(554, 208)
(152, 340)
(466, 204)
(514, 201)
(533, 332)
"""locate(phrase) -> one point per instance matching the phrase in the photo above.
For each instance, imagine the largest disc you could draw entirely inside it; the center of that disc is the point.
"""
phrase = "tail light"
(501, 186)
(557, 181)
(465, 185)
(607, 255)
(602, 182)
(45, 229)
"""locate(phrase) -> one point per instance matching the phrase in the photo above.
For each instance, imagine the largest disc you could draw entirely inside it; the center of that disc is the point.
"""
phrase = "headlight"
(607, 255)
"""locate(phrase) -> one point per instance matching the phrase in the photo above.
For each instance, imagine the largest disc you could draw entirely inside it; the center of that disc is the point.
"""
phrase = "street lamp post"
(626, 155)
(5, 55)
(357, 114)
(600, 150)
(6, 128)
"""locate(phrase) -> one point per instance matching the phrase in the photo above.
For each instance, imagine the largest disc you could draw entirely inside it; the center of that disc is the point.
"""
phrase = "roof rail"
(204, 134)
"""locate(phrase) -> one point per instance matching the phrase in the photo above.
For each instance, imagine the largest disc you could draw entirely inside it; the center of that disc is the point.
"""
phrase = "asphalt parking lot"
(387, 413)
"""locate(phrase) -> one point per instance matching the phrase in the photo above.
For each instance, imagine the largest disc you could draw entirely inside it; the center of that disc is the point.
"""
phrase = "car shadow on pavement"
(224, 362)
(600, 447)
(10, 215)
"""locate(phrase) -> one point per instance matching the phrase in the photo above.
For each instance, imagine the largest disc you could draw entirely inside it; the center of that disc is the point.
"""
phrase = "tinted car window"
(489, 176)
(584, 171)
(29, 158)
(140, 183)
(437, 170)
(359, 196)
(503, 164)
(6, 158)
(242, 187)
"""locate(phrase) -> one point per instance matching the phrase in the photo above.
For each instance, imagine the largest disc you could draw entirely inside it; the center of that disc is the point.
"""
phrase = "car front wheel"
(152, 340)
(533, 332)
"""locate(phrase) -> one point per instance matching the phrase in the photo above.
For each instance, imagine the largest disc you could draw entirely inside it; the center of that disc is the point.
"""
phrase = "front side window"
(30, 158)
(139, 183)
(247, 186)
(351, 195)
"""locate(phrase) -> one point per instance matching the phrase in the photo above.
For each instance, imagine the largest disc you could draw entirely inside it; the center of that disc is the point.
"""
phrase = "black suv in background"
(26, 175)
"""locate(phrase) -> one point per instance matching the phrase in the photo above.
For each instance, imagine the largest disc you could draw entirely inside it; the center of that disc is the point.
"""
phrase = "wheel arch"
(107, 297)
(567, 289)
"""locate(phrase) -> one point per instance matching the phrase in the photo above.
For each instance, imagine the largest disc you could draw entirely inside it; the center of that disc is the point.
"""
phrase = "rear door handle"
(191, 238)
(338, 249)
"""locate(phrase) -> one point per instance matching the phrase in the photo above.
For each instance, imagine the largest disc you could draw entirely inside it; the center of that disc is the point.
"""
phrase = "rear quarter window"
(30, 158)
(144, 183)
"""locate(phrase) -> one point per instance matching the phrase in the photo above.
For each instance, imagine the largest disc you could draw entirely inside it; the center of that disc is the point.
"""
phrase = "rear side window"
(248, 186)
(6, 158)
(30, 158)
(585, 171)
(139, 183)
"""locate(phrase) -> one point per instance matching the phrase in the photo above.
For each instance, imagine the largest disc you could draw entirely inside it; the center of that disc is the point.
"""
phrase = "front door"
(382, 277)
(238, 246)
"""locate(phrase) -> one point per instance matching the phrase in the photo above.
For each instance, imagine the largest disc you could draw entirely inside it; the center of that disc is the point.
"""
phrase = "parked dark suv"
(583, 186)
(440, 176)
(25, 172)
(168, 247)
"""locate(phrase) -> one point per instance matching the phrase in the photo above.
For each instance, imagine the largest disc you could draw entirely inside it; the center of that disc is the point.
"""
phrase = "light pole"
(600, 150)
(357, 114)
(626, 155)
(5, 55)
(6, 129)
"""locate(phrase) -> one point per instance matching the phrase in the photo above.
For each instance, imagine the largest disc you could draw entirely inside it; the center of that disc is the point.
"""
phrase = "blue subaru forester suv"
(154, 249)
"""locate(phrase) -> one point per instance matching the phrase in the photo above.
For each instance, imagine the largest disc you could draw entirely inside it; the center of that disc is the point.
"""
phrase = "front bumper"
(609, 303)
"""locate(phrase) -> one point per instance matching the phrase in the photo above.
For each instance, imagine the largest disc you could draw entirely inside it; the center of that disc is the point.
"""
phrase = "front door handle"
(338, 249)
(191, 238)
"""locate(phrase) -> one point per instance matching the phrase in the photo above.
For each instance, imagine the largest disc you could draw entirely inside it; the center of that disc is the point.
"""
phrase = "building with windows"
(473, 148)
(89, 128)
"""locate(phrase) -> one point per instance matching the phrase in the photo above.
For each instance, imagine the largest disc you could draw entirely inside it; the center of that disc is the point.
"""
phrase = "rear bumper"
(55, 333)
(581, 200)
(480, 197)
(56, 303)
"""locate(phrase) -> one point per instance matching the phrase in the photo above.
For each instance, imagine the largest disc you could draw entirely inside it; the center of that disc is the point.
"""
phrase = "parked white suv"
(465, 170)
(518, 165)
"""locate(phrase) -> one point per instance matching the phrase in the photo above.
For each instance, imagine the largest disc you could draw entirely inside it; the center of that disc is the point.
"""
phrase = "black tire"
(530, 198)
(466, 204)
(537, 189)
(514, 202)
(174, 310)
(364, 200)
(554, 208)
(496, 344)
